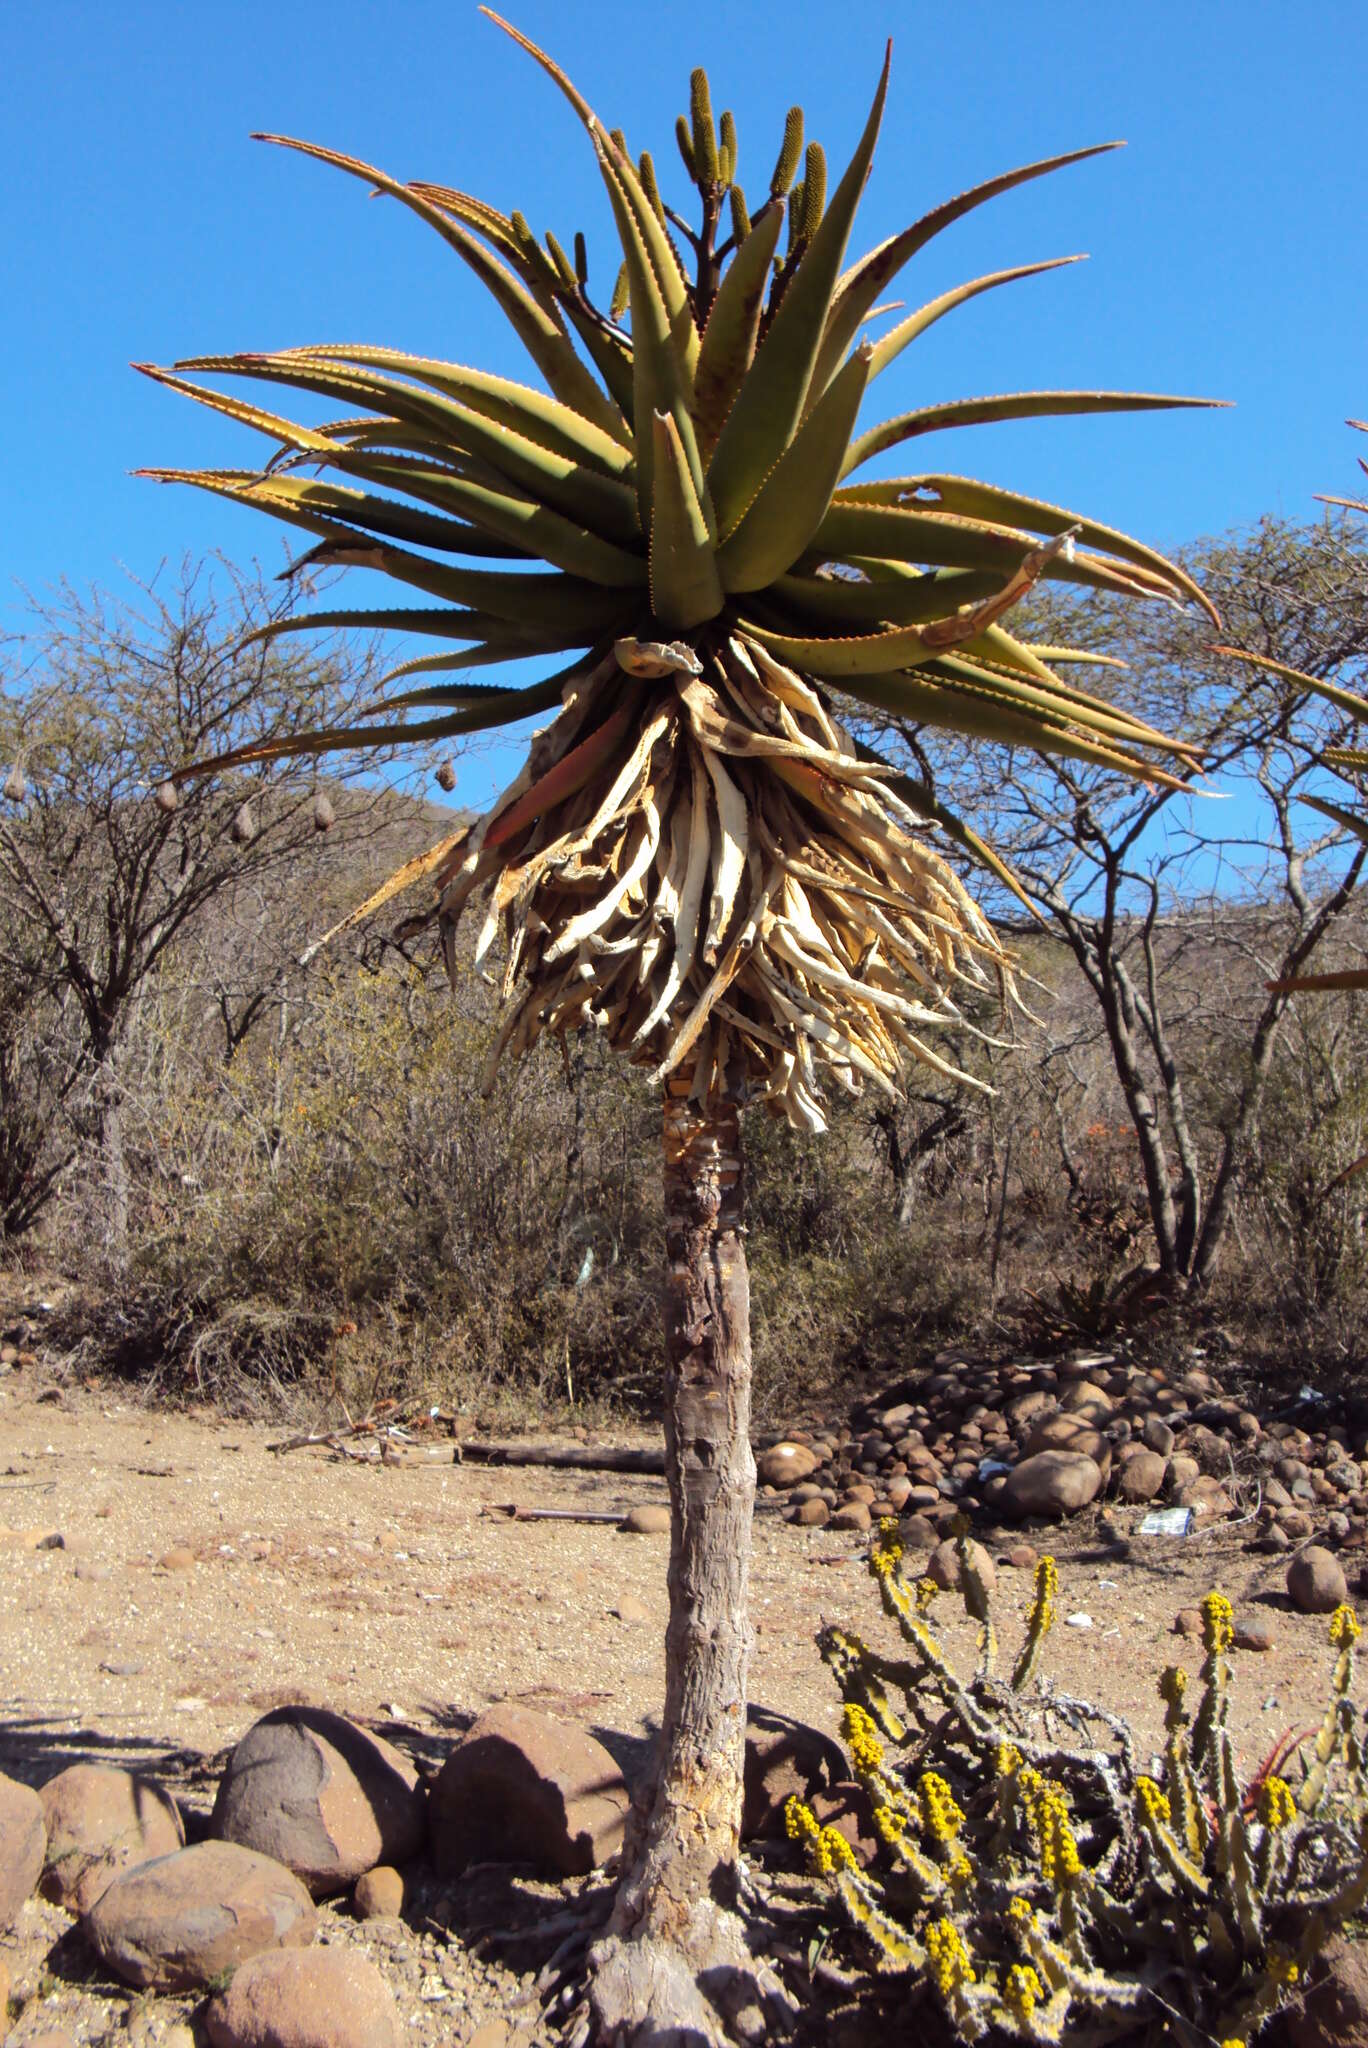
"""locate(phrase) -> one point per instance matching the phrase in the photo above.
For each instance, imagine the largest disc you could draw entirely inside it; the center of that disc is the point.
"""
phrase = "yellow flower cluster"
(1046, 1593)
(1153, 1804)
(1218, 1622)
(949, 1957)
(1008, 1759)
(1172, 1685)
(885, 1553)
(1281, 1968)
(941, 1817)
(891, 1824)
(1049, 1816)
(1023, 1991)
(1344, 1627)
(1022, 1912)
(866, 1750)
(800, 1822)
(1234, 2041)
(927, 1592)
(1277, 1807)
(960, 1872)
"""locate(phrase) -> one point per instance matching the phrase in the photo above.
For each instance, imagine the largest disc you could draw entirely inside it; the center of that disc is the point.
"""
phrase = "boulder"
(852, 1514)
(175, 1924)
(1085, 1397)
(23, 1841)
(100, 1822)
(322, 1796)
(1206, 1497)
(785, 1464)
(521, 1787)
(943, 1565)
(1053, 1483)
(1063, 1432)
(783, 1757)
(1157, 1436)
(1315, 1581)
(1142, 1476)
(305, 1998)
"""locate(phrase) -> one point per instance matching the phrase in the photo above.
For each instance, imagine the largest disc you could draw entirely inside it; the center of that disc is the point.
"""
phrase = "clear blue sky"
(140, 222)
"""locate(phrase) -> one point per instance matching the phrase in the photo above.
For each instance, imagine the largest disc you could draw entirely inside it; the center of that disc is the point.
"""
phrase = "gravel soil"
(202, 1578)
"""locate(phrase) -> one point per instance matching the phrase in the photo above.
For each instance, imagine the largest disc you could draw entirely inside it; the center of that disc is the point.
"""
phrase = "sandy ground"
(391, 1593)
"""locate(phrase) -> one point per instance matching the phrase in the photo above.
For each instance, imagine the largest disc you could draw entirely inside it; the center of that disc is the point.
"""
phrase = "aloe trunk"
(670, 1926)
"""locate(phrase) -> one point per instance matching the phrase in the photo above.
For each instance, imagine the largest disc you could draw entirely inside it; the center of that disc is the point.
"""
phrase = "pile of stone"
(1009, 1440)
(312, 1806)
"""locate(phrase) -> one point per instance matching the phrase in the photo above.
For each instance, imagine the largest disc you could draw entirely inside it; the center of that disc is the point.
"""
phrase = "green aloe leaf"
(660, 383)
(892, 344)
(954, 706)
(503, 707)
(658, 247)
(863, 285)
(526, 411)
(854, 528)
(1352, 821)
(604, 504)
(1009, 405)
(964, 498)
(908, 600)
(769, 404)
(685, 590)
(1334, 693)
(793, 500)
(728, 345)
(542, 336)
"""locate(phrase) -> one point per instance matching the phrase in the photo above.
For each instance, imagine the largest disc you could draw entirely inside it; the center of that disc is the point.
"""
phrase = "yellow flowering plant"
(1037, 1880)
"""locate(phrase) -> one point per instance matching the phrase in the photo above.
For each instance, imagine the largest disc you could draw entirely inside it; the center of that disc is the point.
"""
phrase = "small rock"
(1157, 1436)
(1296, 1524)
(918, 1532)
(1022, 1557)
(1142, 1476)
(1182, 1471)
(1315, 1581)
(177, 1559)
(943, 1565)
(1206, 1497)
(23, 1842)
(1253, 1635)
(852, 1515)
(175, 1924)
(525, 1788)
(1188, 1622)
(379, 1893)
(1053, 1483)
(647, 1518)
(324, 1797)
(811, 1514)
(101, 1822)
(311, 1998)
(784, 1464)
(629, 1608)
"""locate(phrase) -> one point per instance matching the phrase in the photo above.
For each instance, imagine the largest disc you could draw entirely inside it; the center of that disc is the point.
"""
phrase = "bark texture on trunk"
(674, 1967)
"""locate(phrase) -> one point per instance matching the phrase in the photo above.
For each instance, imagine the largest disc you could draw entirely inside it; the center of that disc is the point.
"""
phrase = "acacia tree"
(696, 859)
(100, 883)
(1151, 887)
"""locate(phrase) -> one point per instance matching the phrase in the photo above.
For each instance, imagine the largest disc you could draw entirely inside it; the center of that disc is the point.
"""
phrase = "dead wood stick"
(582, 1457)
(518, 1514)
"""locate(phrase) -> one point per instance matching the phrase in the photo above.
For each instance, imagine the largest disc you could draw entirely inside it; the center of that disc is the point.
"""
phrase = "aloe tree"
(696, 859)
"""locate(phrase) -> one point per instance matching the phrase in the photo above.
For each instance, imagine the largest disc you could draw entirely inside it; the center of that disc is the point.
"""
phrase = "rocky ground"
(167, 1580)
